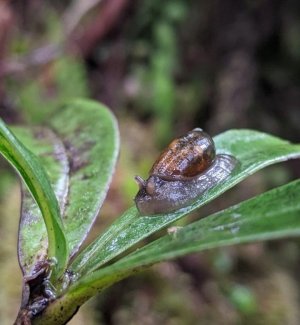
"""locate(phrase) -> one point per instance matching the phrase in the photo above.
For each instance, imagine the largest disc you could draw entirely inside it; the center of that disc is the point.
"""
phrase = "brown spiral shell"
(186, 169)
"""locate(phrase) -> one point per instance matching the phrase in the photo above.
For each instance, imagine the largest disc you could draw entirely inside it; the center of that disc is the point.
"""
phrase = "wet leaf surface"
(273, 214)
(79, 153)
(254, 151)
(33, 242)
(90, 135)
(35, 177)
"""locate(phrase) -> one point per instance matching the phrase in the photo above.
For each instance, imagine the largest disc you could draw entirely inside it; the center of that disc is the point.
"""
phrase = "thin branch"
(77, 10)
(71, 19)
(106, 19)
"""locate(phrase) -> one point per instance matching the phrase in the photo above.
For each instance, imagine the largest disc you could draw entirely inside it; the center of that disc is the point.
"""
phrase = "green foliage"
(274, 214)
(244, 299)
(76, 168)
(34, 176)
(91, 139)
(254, 150)
(40, 98)
(162, 51)
(33, 238)
(79, 153)
(38, 94)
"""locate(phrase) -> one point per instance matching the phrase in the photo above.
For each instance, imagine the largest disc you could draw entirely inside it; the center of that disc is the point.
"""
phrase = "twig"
(39, 56)
(101, 25)
(75, 13)
(71, 19)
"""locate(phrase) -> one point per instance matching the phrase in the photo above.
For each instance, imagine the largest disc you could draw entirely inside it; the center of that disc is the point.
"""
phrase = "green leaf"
(254, 150)
(35, 178)
(33, 242)
(79, 158)
(90, 135)
(274, 214)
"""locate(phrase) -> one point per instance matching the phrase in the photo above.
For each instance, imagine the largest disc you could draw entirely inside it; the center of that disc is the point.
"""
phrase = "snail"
(186, 169)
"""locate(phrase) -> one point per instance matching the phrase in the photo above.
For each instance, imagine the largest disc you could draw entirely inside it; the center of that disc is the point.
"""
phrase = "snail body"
(186, 169)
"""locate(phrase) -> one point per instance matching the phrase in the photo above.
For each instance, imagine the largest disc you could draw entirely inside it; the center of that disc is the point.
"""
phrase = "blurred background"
(163, 67)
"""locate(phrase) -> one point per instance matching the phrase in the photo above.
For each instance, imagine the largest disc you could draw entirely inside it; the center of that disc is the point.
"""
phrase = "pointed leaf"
(254, 150)
(33, 174)
(89, 133)
(274, 214)
(33, 242)
(79, 164)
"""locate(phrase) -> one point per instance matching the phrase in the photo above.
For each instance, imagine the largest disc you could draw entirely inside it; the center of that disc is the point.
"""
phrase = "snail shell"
(186, 169)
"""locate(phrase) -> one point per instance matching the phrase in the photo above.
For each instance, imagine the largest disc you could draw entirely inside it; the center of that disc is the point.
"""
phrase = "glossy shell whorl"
(186, 169)
(186, 156)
